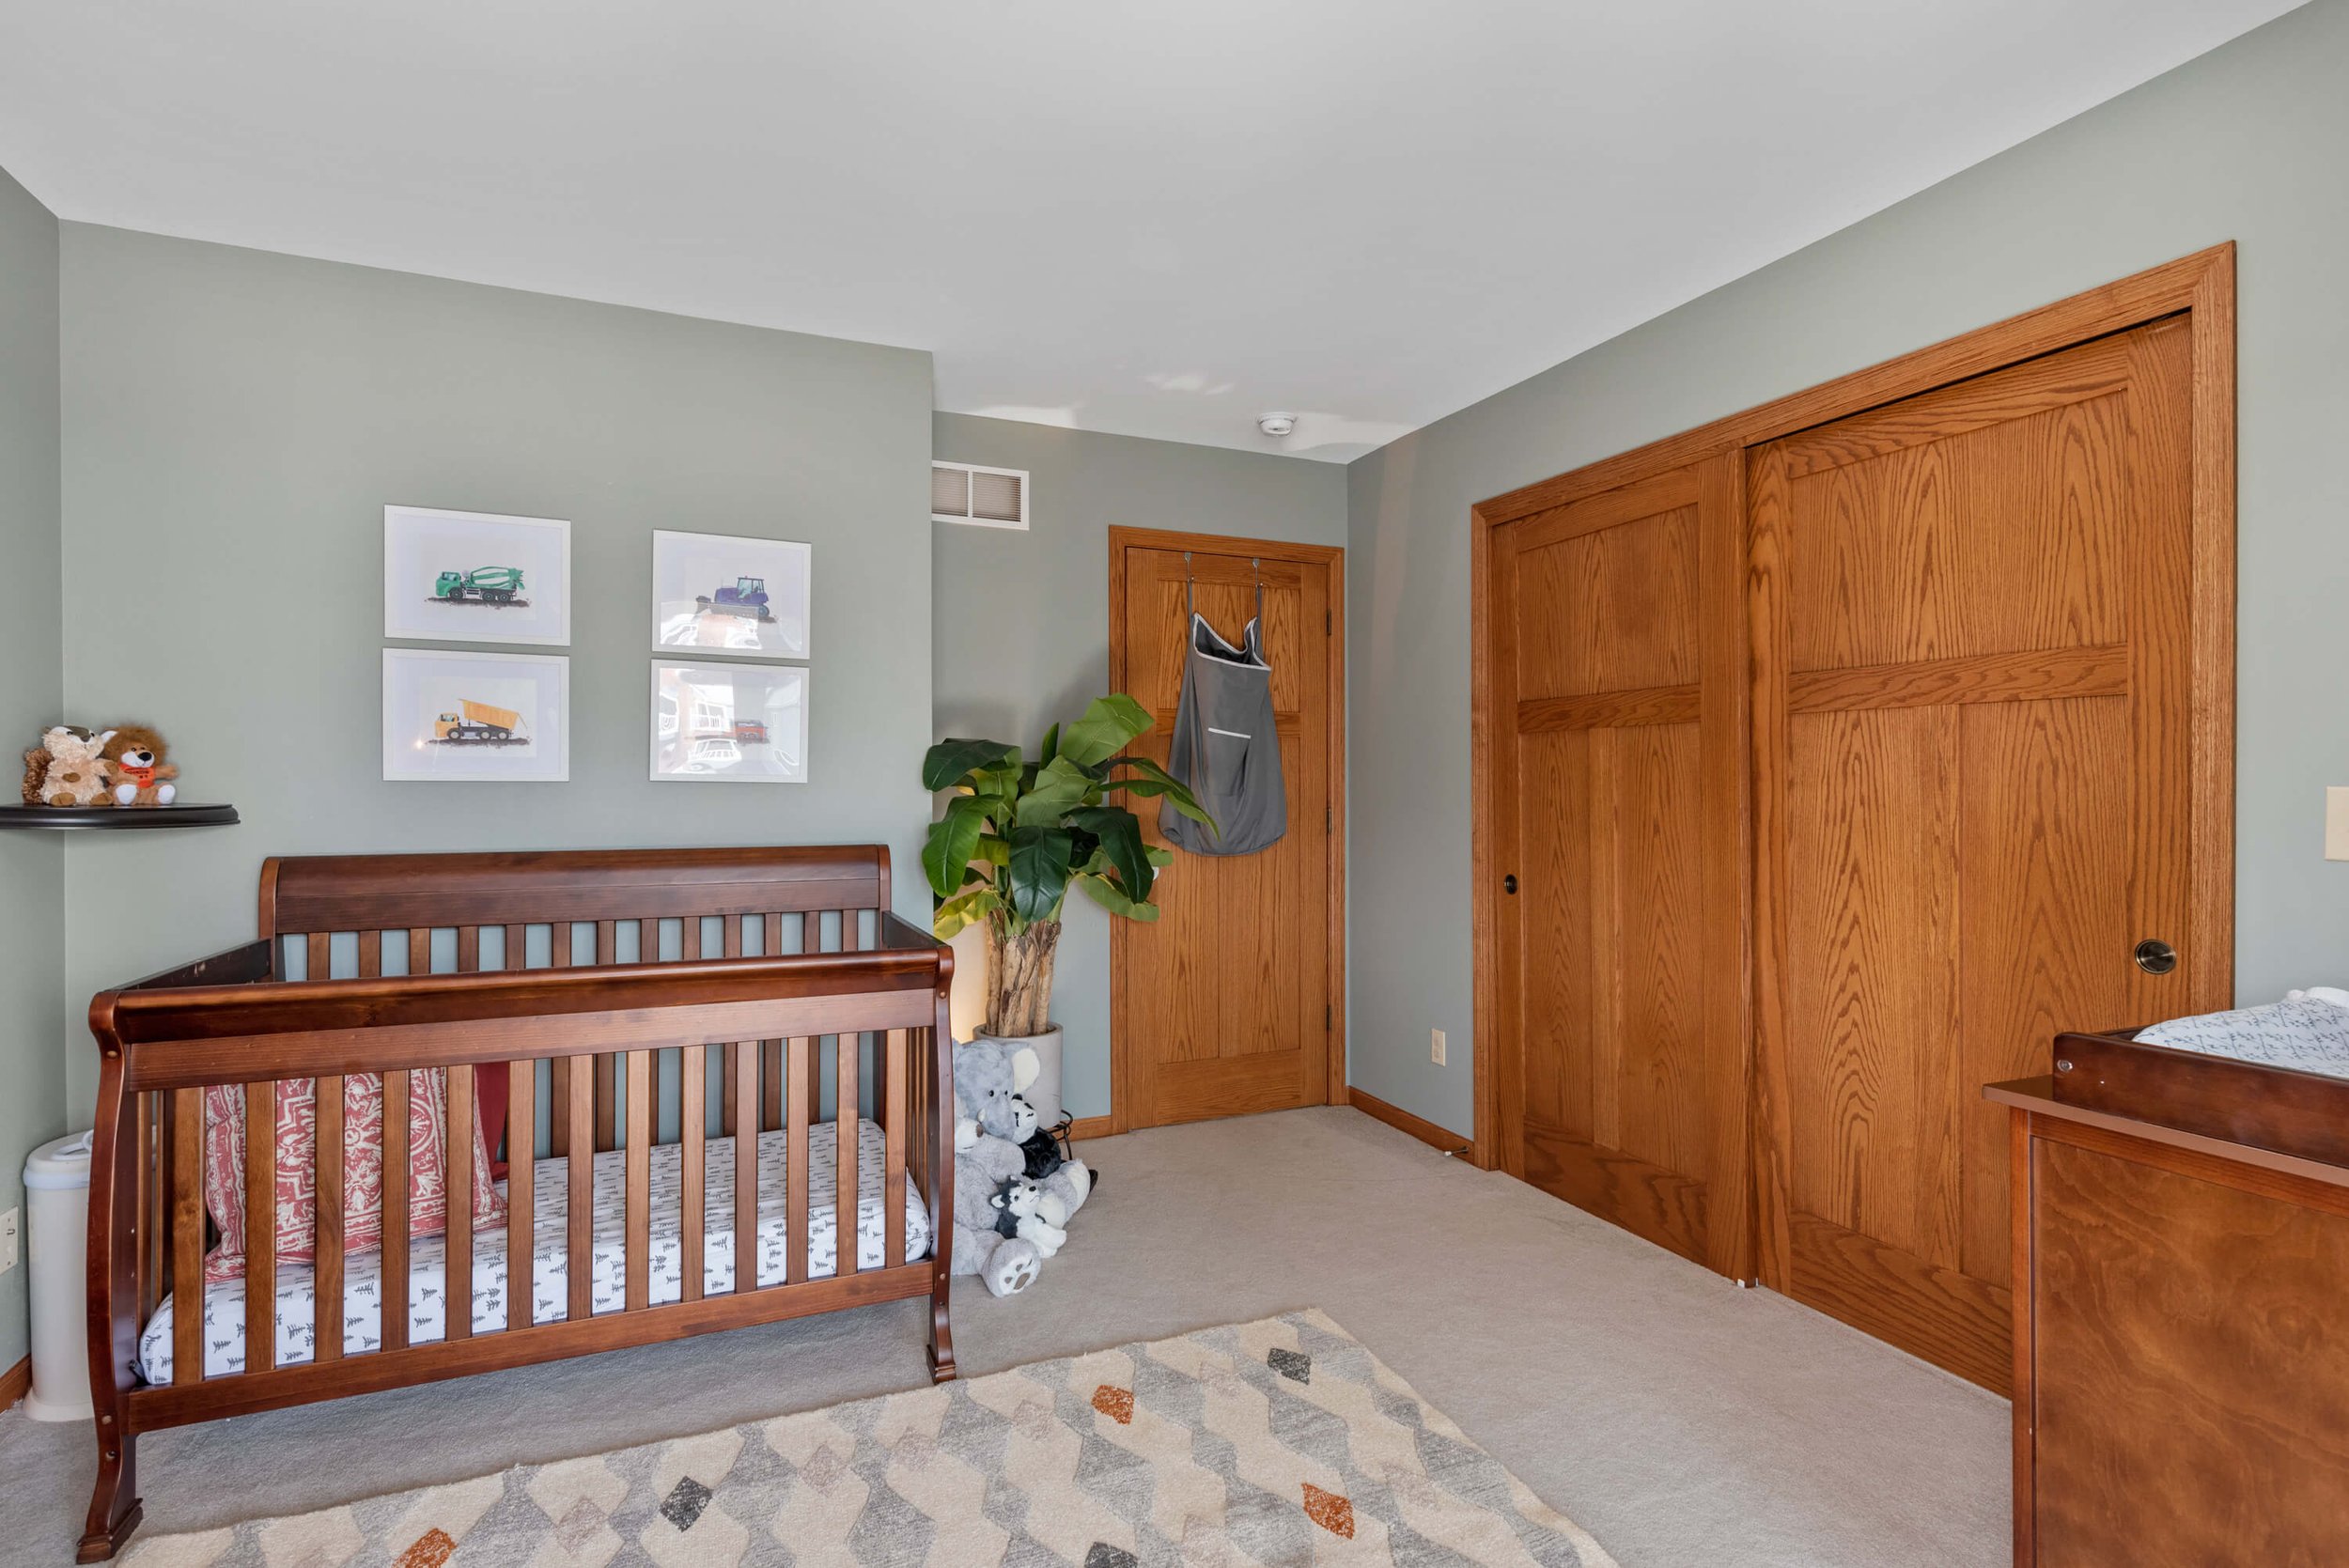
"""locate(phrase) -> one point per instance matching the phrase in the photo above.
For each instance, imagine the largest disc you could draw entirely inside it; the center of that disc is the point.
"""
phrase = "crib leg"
(114, 1502)
(941, 1332)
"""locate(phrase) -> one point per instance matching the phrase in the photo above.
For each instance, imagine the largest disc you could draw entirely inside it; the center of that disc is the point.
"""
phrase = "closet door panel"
(1972, 765)
(1617, 666)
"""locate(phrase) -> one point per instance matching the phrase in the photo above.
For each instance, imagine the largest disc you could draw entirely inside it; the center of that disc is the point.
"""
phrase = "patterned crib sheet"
(362, 1305)
(2301, 1032)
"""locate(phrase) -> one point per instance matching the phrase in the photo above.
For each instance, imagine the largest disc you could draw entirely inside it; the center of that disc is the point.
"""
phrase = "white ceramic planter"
(1044, 1094)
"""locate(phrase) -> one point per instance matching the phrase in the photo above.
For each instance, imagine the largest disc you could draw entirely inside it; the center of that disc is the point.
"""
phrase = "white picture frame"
(728, 722)
(475, 577)
(700, 580)
(475, 717)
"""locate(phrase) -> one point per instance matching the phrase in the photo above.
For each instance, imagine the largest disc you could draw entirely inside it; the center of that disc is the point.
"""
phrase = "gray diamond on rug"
(1294, 1365)
(1106, 1555)
(685, 1502)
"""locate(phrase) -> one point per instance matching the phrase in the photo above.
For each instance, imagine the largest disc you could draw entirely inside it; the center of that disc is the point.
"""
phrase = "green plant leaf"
(1039, 871)
(1121, 842)
(1108, 724)
(967, 907)
(1113, 898)
(1050, 747)
(949, 762)
(1158, 781)
(1058, 788)
(954, 840)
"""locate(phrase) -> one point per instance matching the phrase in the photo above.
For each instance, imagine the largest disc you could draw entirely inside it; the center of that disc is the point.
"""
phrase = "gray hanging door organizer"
(1224, 748)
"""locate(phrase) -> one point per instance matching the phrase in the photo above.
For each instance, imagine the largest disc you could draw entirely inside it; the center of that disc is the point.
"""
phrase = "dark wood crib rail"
(775, 952)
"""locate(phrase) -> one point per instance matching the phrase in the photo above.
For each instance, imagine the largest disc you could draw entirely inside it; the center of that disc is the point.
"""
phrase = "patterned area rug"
(1274, 1443)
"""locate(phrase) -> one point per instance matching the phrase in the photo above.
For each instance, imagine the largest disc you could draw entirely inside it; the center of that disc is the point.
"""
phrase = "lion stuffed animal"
(134, 761)
(67, 769)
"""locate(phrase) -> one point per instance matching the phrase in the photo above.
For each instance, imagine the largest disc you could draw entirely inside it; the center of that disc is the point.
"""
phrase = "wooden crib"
(722, 972)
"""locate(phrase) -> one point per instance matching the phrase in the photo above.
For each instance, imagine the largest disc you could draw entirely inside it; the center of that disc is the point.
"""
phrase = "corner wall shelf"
(117, 818)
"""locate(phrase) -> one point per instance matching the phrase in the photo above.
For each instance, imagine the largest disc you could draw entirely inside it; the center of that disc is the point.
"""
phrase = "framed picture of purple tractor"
(717, 593)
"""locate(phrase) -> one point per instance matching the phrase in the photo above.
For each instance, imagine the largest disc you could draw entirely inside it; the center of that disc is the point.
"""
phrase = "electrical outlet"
(2337, 823)
(8, 1241)
(1435, 1046)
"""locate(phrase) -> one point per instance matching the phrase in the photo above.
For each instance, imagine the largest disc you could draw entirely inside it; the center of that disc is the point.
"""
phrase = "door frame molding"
(2200, 287)
(1123, 538)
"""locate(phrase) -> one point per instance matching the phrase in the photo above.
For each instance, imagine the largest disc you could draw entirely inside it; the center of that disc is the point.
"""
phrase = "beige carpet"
(1683, 1422)
(1277, 1444)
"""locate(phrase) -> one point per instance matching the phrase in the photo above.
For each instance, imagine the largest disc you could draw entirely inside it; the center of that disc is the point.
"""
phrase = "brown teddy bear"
(134, 754)
(67, 769)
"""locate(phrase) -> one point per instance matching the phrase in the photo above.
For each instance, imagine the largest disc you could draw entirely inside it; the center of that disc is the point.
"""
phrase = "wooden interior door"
(1615, 655)
(1974, 789)
(1231, 1001)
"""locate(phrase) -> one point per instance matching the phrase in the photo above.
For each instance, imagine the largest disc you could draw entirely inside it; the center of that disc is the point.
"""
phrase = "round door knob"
(1509, 883)
(2156, 957)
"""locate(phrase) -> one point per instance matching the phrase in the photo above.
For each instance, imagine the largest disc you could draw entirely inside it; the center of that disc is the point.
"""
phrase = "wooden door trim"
(2200, 287)
(1123, 538)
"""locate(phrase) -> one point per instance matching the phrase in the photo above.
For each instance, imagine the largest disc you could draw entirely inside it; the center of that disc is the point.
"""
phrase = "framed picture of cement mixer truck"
(722, 594)
(476, 716)
(475, 577)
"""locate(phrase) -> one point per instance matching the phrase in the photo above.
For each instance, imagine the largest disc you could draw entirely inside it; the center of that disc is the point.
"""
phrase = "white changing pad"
(362, 1305)
(2303, 1031)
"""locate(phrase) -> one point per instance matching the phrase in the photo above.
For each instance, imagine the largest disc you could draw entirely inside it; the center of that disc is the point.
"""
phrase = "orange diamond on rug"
(1329, 1511)
(431, 1550)
(1116, 1403)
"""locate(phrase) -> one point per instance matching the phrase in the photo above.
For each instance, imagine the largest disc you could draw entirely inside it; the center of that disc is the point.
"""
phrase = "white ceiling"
(1161, 220)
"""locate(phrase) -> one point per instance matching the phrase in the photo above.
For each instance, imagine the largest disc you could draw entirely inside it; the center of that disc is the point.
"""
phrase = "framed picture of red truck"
(724, 593)
(715, 724)
(475, 577)
(476, 716)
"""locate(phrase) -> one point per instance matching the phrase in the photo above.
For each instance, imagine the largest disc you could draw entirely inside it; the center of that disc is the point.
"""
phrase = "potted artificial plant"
(1019, 831)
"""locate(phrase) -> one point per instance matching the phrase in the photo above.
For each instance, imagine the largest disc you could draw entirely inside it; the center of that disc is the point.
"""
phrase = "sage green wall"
(2242, 144)
(234, 422)
(1023, 625)
(32, 1074)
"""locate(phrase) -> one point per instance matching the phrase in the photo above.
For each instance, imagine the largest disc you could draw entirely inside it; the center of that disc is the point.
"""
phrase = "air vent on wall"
(989, 497)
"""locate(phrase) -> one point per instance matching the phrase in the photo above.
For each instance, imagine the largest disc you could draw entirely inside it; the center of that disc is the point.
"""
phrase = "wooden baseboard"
(1089, 1126)
(1403, 1120)
(16, 1382)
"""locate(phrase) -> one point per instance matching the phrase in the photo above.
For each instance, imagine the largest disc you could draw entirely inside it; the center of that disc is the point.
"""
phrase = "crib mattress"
(362, 1283)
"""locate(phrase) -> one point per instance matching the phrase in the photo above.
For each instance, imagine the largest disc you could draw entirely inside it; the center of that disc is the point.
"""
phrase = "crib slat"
(771, 946)
(517, 946)
(815, 1079)
(690, 937)
(395, 1203)
(892, 1094)
(795, 1188)
(729, 1090)
(811, 932)
(457, 1294)
(746, 1169)
(559, 1096)
(187, 1235)
(468, 949)
(371, 955)
(260, 1226)
(606, 1074)
(692, 1123)
(637, 1248)
(419, 950)
(845, 1049)
(327, 1322)
(771, 1116)
(522, 1143)
(320, 956)
(579, 1244)
(730, 929)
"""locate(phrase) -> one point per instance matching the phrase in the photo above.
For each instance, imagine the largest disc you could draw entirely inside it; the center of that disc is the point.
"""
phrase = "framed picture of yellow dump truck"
(475, 577)
(476, 716)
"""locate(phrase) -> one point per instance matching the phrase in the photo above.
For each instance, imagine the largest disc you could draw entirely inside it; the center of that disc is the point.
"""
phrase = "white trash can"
(56, 1205)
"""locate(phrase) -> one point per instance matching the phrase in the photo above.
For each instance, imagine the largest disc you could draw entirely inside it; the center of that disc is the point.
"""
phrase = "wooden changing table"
(2181, 1309)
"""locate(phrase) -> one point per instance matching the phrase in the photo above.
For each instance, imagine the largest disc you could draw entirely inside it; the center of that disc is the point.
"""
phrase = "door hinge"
(1326, 1015)
(1329, 819)
(1329, 623)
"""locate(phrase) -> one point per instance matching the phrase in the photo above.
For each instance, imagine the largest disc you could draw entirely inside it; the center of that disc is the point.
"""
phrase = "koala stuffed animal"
(67, 770)
(1008, 1264)
(989, 1076)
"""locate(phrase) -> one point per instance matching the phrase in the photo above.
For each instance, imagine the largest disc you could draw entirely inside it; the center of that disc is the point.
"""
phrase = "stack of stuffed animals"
(1015, 1187)
(120, 767)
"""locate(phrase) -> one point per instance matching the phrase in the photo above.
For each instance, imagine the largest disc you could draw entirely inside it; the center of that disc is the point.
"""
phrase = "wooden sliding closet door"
(1973, 796)
(1616, 662)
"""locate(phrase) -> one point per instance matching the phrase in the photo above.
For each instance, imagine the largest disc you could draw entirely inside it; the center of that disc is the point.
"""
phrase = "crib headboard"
(312, 893)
